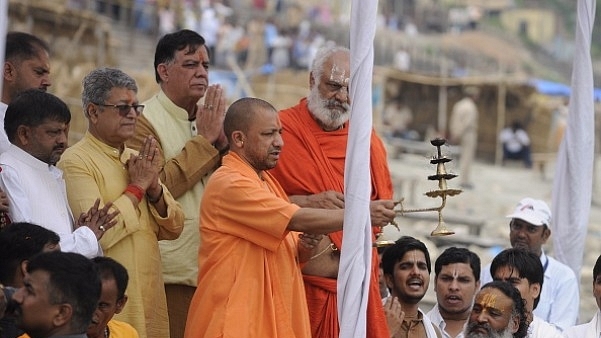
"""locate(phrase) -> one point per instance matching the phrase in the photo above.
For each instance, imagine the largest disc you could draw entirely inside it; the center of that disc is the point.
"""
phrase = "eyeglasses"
(124, 109)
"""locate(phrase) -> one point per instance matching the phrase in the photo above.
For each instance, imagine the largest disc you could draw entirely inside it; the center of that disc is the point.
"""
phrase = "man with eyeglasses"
(190, 142)
(37, 124)
(529, 229)
(101, 165)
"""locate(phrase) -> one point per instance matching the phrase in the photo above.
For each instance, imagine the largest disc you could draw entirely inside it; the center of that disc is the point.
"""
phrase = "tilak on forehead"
(338, 75)
(489, 301)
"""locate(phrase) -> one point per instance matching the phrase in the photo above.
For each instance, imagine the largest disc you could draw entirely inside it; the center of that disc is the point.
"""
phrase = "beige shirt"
(188, 160)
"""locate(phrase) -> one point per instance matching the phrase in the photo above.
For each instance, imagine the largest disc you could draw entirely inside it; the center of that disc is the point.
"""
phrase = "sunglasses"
(124, 109)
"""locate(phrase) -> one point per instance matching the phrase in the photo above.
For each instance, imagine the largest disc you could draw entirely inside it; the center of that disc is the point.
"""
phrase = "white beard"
(322, 110)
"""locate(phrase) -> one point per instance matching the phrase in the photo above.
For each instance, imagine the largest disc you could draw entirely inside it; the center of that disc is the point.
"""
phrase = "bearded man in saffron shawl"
(311, 171)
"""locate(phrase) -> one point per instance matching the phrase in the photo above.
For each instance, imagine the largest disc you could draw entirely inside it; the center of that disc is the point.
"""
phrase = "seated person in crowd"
(516, 144)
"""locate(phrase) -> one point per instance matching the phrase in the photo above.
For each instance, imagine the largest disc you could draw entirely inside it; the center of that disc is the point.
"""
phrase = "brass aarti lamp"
(443, 191)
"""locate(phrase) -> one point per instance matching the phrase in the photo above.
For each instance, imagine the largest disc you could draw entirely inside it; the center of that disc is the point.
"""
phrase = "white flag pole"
(572, 188)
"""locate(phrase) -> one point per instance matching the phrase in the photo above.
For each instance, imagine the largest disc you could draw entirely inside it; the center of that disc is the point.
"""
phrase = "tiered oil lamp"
(443, 191)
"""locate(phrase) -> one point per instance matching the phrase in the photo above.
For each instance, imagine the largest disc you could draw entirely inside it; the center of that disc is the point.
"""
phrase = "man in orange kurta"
(313, 163)
(249, 273)
(251, 285)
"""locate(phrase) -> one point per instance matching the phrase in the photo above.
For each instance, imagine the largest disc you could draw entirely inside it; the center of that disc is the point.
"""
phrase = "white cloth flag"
(573, 182)
(355, 259)
(3, 31)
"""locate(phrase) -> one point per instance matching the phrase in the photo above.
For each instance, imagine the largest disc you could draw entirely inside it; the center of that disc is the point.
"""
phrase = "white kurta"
(540, 329)
(591, 329)
(436, 318)
(37, 194)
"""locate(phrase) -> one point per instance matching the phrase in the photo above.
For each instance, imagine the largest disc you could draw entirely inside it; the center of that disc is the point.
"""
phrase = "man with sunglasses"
(191, 142)
(529, 230)
(37, 124)
(101, 165)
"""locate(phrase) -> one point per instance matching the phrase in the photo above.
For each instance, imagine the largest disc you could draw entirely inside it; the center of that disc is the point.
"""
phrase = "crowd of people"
(182, 216)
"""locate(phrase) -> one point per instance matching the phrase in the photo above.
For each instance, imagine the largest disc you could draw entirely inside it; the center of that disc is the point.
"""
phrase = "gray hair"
(321, 57)
(99, 82)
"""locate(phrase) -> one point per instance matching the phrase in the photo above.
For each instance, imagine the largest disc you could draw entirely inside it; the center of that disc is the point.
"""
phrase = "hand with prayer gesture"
(144, 169)
(394, 315)
(210, 116)
(98, 220)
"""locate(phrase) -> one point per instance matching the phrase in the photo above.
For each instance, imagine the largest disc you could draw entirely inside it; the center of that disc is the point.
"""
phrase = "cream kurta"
(93, 169)
(188, 160)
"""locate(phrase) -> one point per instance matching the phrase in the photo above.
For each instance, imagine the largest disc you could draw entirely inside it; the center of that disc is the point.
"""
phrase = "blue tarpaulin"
(556, 88)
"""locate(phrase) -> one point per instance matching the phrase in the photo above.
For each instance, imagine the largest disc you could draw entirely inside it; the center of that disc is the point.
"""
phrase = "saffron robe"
(312, 161)
(250, 284)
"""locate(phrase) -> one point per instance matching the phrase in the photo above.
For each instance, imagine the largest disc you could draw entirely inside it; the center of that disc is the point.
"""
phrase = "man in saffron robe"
(249, 255)
(311, 171)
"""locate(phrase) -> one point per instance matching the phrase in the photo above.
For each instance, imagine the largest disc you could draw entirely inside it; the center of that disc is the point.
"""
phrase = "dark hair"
(597, 268)
(518, 309)
(73, 279)
(525, 263)
(458, 255)
(19, 242)
(240, 113)
(516, 125)
(108, 269)
(32, 108)
(395, 252)
(169, 44)
(23, 46)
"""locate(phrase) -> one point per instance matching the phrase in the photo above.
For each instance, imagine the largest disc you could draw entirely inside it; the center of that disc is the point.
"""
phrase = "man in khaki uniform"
(463, 129)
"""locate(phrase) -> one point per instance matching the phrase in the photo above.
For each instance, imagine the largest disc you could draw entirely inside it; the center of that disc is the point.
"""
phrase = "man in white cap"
(529, 229)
